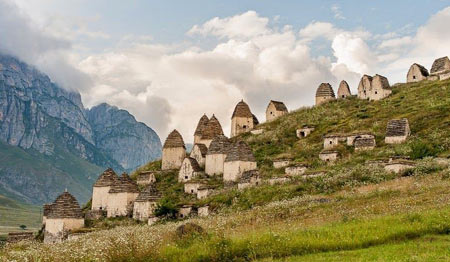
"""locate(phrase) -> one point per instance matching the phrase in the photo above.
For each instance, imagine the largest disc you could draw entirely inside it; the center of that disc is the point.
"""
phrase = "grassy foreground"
(368, 223)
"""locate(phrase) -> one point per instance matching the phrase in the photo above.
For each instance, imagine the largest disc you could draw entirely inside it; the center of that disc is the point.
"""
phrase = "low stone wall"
(95, 214)
(19, 236)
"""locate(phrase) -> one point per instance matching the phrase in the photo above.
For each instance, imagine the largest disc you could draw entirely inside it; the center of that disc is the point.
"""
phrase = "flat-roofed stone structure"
(351, 137)
(199, 152)
(333, 140)
(417, 73)
(203, 211)
(121, 197)
(374, 88)
(441, 68)
(324, 93)
(191, 187)
(275, 109)
(184, 211)
(199, 130)
(398, 166)
(189, 170)
(397, 131)
(364, 143)
(280, 163)
(279, 180)
(210, 131)
(329, 155)
(146, 203)
(242, 120)
(146, 178)
(239, 159)
(344, 90)
(249, 179)
(296, 170)
(65, 215)
(215, 157)
(174, 151)
(305, 131)
(204, 191)
(100, 191)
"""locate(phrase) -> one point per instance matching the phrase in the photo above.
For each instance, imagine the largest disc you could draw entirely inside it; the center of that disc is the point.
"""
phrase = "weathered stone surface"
(324, 93)
(416, 73)
(15, 237)
(275, 109)
(344, 90)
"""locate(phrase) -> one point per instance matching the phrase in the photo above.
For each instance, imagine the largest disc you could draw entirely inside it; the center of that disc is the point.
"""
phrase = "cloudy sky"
(168, 62)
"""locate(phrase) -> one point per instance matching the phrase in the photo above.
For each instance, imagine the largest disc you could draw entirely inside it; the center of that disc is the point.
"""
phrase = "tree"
(23, 227)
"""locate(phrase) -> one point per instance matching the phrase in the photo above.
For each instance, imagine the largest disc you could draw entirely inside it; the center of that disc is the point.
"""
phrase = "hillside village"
(215, 156)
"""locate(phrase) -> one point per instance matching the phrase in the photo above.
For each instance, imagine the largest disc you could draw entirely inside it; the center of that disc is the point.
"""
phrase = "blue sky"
(168, 62)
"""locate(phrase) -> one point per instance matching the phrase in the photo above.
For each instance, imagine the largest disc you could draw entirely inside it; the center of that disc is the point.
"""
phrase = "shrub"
(166, 208)
(420, 150)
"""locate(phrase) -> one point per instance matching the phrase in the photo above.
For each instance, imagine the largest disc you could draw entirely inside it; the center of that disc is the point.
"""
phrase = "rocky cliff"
(118, 134)
(51, 126)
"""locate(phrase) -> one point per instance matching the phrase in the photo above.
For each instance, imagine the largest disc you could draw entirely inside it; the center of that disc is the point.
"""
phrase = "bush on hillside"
(420, 150)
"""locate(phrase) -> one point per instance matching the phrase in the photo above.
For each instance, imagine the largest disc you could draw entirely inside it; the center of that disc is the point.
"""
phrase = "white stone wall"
(303, 132)
(172, 158)
(329, 157)
(184, 212)
(203, 193)
(100, 198)
(56, 229)
(414, 74)
(281, 163)
(233, 170)
(330, 142)
(186, 172)
(241, 125)
(203, 211)
(444, 76)
(395, 139)
(152, 220)
(143, 210)
(120, 204)
(397, 167)
(191, 188)
(214, 164)
(197, 155)
(295, 170)
(272, 113)
(321, 99)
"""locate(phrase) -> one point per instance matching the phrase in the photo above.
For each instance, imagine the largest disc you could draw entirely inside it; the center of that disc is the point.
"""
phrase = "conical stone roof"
(219, 145)
(397, 127)
(124, 185)
(65, 206)
(242, 110)
(325, 90)
(107, 178)
(344, 89)
(279, 106)
(440, 64)
(240, 151)
(174, 140)
(203, 149)
(201, 125)
(212, 129)
(150, 193)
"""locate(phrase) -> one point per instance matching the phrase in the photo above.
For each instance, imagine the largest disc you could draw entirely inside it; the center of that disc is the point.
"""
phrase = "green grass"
(426, 248)
(13, 214)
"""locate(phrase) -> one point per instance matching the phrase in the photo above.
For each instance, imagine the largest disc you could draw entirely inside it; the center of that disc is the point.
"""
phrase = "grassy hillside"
(355, 212)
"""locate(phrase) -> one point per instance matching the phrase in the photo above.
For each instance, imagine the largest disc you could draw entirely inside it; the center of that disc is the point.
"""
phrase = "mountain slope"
(118, 134)
(56, 145)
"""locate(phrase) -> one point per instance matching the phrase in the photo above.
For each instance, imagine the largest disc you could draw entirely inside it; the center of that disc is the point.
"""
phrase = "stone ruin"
(210, 131)
(440, 69)
(146, 203)
(215, 157)
(280, 163)
(199, 152)
(203, 211)
(65, 215)
(189, 170)
(364, 143)
(248, 179)
(397, 131)
(344, 90)
(204, 191)
(146, 178)
(121, 197)
(296, 170)
(374, 88)
(174, 151)
(239, 159)
(324, 93)
(417, 73)
(242, 120)
(305, 131)
(275, 109)
(329, 155)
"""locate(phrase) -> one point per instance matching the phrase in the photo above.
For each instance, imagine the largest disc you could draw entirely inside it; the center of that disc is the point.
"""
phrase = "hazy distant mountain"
(49, 141)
